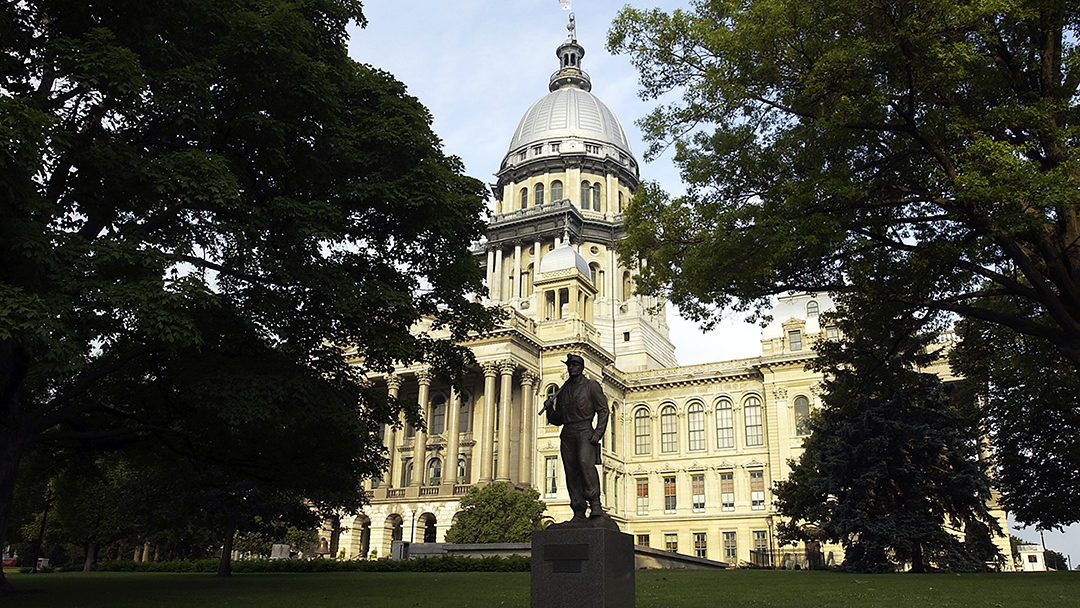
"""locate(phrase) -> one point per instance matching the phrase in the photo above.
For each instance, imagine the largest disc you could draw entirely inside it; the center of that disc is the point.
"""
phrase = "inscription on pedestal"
(583, 568)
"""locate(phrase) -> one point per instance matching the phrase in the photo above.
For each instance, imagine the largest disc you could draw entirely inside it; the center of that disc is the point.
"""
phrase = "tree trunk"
(225, 565)
(91, 555)
(12, 447)
(917, 560)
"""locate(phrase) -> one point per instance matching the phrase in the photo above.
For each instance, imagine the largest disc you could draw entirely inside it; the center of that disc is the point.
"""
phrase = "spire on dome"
(570, 74)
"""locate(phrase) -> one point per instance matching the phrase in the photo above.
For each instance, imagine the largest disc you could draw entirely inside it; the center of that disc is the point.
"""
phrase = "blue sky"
(478, 65)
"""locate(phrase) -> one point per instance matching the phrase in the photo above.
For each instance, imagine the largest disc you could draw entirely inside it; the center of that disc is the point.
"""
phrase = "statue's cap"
(574, 358)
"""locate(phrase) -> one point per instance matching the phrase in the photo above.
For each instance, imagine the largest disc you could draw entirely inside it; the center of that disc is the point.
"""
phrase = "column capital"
(424, 377)
(530, 379)
(491, 368)
(393, 382)
(507, 367)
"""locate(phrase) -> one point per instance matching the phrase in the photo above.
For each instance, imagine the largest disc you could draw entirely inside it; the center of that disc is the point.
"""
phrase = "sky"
(477, 65)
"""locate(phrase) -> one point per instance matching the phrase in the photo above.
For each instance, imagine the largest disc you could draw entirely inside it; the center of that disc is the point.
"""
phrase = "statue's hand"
(595, 439)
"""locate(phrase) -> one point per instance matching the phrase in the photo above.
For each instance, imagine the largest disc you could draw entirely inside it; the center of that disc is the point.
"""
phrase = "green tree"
(497, 513)
(1030, 398)
(936, 138)
(891, 469)
(160, 161)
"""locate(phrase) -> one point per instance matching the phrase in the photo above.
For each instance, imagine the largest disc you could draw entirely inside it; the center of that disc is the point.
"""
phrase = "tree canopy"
(497, 513)
(891, 469)
(935, 142)
(167, 167)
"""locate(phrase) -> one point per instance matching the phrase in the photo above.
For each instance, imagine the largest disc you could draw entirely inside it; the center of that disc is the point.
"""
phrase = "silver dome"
(570, 113)
(564, 258)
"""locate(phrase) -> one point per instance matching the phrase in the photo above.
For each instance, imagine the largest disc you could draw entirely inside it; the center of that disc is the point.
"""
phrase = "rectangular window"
(700, 544)
(730, 547)
(642, 540)
(642, 496)
(551, 474)
(695, 419)
(727, 491)
(757, 490)
(671, 543)
(832, 334)
(795, 340)
(697, 483)
(669, 495)
(761, 541)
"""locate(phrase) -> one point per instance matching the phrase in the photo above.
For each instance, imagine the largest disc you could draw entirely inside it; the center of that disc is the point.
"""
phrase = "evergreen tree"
(891, 469)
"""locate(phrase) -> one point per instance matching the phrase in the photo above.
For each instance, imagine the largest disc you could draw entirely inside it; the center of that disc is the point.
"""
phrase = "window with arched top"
(596, 197)
(613, 424)
(752, 415)
(538, 196)
(462, 470)
(524, 198)
(550, 392)
(812, 309)
(434, 471)
(725, 425)
(556, 191)
(620, 202)
(669, 430)
(695, 426)
(586, 191)
(642, 434)
(802, 416)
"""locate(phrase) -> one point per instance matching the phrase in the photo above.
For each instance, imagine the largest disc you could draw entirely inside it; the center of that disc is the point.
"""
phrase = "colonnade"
(491, 461)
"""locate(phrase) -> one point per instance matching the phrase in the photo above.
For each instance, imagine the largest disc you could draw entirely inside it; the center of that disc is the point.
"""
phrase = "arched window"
(586, 189)
(438, 415)
(802, 416)
(725, 425)
(539, 196)
(594, 274)
(462, 470)
(596, 197)
(434, 471)
(695, 426)
(556, 191)
(812, 309)
(752, 415)
(406, 474)
(669, 430)
(642, 435)
(524, 198)
(627, 288)
(549, 392)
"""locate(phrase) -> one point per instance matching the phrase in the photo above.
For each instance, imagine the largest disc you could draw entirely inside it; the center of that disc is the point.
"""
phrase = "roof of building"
(564, 258)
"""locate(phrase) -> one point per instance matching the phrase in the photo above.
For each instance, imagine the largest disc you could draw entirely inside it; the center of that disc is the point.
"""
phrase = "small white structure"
(1032, 558)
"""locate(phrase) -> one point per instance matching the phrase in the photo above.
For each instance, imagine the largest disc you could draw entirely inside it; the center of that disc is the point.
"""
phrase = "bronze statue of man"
(573, 407)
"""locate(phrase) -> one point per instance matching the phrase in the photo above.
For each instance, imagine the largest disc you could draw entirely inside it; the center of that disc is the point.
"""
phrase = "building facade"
(691, 452)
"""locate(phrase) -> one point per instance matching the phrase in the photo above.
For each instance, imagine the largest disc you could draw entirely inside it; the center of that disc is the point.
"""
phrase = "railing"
(789, 559)
(460, 490)
(429, 491)
(396, 493)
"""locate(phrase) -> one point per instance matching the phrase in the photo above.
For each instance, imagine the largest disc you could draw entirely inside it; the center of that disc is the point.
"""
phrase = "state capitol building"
(690, 453)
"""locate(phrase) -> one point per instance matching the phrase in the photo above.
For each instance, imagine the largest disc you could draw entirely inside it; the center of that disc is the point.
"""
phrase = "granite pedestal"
(582, 568)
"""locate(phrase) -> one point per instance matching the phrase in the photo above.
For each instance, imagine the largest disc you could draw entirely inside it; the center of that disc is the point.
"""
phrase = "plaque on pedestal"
(583, 568)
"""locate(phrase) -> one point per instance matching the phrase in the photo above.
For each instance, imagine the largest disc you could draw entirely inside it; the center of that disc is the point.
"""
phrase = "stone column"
(497, 284)
(506, 406)
(491, 273)
(393, 384)
(518, 291)
(453, 438)
(487, 440)
(529, 381)
(420, 447)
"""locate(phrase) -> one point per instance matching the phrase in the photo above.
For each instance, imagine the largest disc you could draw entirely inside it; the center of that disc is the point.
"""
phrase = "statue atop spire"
(572, 26)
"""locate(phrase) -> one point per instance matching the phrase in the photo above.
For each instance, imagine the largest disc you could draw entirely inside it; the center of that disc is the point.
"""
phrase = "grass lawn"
(655, 589)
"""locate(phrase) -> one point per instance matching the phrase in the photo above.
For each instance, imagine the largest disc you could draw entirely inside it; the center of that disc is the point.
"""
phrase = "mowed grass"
(655, 589)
